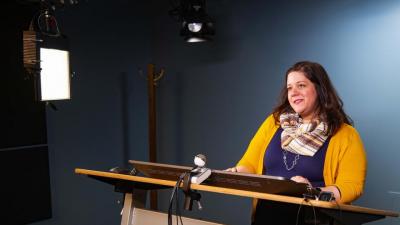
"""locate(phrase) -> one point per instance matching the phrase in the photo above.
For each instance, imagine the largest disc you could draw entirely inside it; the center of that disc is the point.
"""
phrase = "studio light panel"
(55, 74)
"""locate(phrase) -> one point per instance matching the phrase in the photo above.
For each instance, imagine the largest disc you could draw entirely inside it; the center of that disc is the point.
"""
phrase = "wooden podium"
(337, 214)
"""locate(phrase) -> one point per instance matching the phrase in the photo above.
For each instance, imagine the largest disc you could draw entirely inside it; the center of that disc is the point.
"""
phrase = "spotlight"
(197, 26)
(47, 59)
(46, 54)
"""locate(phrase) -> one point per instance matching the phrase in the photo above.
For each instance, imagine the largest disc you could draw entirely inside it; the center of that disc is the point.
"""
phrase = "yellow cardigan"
(345, 161)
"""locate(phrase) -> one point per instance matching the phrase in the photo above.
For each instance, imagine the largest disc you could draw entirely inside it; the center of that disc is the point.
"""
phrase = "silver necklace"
(293, 163)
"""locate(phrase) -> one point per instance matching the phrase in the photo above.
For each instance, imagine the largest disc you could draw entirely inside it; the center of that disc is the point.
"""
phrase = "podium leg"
(127, 211)
(130, 204)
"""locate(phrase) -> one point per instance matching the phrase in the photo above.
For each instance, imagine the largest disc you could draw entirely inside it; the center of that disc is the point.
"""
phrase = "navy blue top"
(309, 167)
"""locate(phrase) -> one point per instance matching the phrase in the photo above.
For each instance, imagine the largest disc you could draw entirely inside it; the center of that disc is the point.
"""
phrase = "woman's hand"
(239, 169)
(232, 169)
(333, 189)
(300, 179)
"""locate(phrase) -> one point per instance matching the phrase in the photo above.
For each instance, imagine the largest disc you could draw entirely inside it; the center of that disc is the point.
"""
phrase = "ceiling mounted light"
(197, 26)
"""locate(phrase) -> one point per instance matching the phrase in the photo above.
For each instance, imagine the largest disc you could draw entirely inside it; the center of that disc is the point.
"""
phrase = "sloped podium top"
(224, 179)
(113, 178)
(151, 176)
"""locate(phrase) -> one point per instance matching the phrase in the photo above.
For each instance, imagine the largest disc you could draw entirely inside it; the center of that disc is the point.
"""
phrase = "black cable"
(52, 24)
(315, 215)
(178, 211)
(298, 211)
(31, 24)
(171, 200)
(178, 214)
(170, 203)
(170, 206)
(177, 206)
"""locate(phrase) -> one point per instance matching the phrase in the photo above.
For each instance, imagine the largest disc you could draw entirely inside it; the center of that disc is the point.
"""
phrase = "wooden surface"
(279, 198)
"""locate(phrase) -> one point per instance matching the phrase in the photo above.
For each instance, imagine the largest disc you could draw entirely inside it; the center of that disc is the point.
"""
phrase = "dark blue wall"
(215, 95)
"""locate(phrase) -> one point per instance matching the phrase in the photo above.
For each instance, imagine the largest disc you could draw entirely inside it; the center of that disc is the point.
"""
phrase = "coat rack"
(151, 84)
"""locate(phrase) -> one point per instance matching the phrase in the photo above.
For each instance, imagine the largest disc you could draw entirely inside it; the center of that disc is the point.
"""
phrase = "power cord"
(298, 211)
(48, 25)
(315, 215)
(174, 196)
(313, 208)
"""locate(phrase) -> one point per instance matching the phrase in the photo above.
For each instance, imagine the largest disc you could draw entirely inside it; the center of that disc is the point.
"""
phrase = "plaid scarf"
(302, 138)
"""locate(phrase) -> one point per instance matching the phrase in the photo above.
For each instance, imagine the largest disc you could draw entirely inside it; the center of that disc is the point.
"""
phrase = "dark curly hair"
(330, 106)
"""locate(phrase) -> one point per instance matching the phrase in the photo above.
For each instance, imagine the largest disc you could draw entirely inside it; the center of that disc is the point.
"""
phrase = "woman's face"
(302, 95)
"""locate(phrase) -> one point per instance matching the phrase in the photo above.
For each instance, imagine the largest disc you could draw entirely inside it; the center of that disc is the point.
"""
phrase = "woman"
(309, 138)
